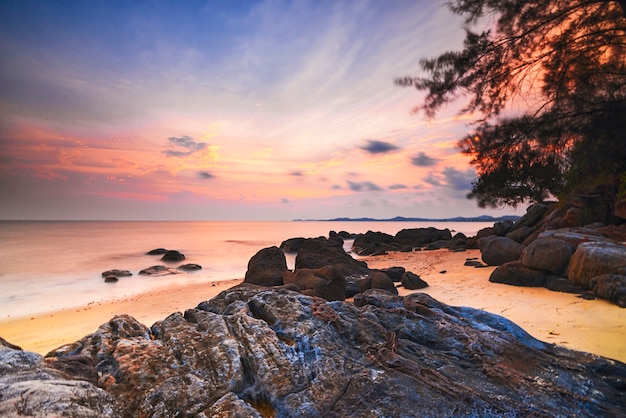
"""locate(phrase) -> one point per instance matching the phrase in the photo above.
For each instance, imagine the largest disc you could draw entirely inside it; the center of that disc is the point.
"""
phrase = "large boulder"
(548, 254)
(372, 243)
(292, 245)
(517, 274)
(593, 259)
(268, 352)
(266, 267)
(324, 282)
(417, 237)
(500, 250)
(321, 252)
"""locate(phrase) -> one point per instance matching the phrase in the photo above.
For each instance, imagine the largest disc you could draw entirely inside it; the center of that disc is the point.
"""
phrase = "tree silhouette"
(563, 62)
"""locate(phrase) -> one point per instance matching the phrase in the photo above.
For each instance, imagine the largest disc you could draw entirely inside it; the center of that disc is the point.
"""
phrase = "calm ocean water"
(47, 266)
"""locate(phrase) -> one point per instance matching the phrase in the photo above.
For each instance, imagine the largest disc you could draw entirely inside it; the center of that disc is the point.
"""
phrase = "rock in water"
(274, 352)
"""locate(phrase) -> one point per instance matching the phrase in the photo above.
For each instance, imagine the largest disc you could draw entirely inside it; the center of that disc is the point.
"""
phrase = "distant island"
(482, 218)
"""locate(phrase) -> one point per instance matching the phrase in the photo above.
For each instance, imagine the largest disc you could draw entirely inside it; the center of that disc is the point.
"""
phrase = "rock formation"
(260, 352)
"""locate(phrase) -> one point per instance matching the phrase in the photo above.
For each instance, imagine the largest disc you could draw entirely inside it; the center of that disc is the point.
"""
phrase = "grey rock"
(516, 274)
(285, 354)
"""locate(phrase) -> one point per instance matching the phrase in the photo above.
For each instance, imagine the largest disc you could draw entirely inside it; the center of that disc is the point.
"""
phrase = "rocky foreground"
(255, 351)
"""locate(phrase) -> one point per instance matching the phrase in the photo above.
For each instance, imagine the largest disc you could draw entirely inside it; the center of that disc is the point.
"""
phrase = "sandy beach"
(594, 326)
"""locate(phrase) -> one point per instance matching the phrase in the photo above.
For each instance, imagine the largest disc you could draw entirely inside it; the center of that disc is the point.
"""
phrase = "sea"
(53, 265)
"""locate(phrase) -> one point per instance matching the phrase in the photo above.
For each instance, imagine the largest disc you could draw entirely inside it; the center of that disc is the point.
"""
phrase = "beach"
(594, 326)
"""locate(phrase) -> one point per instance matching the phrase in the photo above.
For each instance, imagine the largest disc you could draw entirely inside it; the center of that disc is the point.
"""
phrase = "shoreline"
(594, 326)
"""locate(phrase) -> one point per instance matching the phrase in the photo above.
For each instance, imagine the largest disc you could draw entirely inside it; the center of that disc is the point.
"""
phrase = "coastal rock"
(268, 352)
(421, 236)
(394, 273)
(173, 255)
(159, 271)
(593, 259)
(620, 208)
(266, 267)
(378, 280)
(30, 387)
(116, 273)
(547, 254)
(519, 234)
(321, 252)
(111, 279)
(372, 243)
(292, 245)
(157, 251)
(412, 281)
(517, 274)
(324, 282)
(611, 287)
(500, 250)
(575, 236)
(190, 267)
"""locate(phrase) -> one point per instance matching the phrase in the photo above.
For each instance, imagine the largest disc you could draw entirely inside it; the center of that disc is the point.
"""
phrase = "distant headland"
(482, 218)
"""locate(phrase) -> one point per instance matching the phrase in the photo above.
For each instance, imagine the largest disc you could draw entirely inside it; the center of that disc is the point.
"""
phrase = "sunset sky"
(225, 110)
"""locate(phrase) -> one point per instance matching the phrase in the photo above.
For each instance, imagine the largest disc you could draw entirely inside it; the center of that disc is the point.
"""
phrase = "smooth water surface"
(48, 266)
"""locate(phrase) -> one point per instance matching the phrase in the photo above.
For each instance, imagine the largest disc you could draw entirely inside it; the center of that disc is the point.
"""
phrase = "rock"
(173, 255)
(111, 279)
(501, 250)
(593, 259)
(352, 283)
(322, 252)
(116, 273)
(266, 267)
(417, 237)
(412, 281)
(501, 228)
(292, 245)
(547, 254)
(378, 280)
(190, 267)
(620, 208)
(30, 387)
(562, 284)
(575, 236)
(519, 234)
(267, 352)
(394, 273)
(157, 251)
(159, 271)
(516, 274)
(372, 243)
(611, 287)
(324, 282)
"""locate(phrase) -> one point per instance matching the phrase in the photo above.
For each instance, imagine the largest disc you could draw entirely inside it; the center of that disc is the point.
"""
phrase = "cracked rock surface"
(253, 351)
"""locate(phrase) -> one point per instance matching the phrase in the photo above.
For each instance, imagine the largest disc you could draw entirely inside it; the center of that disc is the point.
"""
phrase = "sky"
(226, 110)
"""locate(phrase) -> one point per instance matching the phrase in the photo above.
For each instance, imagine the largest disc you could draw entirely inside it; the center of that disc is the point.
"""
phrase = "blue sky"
(225, 110)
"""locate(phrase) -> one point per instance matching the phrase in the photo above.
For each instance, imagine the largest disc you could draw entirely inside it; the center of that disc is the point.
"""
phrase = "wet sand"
(594, 326)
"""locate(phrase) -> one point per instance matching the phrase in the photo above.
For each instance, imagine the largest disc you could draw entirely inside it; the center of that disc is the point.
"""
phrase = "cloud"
(284, 200)
(398, 186)
(452, 178)
(378, 147)
(296, 173)
(205, 175)
(364, 186)
(188, 145)
(459, 180)
(423, 160)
